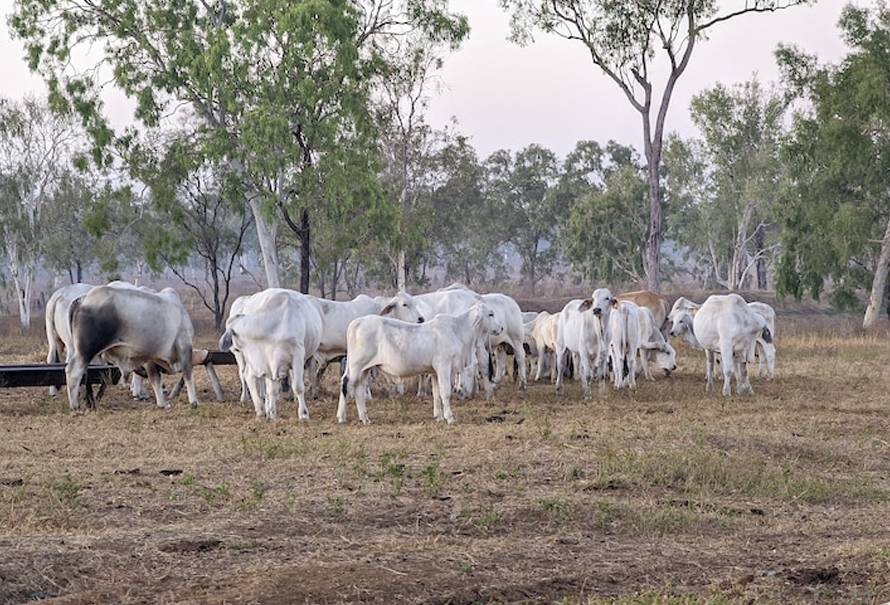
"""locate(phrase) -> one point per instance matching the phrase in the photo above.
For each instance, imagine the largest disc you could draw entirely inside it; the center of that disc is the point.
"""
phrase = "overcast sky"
(505, 96)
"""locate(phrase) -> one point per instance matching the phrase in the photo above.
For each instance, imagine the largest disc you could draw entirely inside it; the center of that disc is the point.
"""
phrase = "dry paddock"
(664, 495)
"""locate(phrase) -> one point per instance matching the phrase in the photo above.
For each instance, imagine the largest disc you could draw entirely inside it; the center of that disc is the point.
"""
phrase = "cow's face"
(601, 302)
(403, 306)
(666, 360)
(681, 322)
(487, 319)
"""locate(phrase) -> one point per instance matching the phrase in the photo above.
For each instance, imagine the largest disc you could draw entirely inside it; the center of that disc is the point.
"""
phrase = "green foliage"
(607, 229)
(838, 155)
(724, 187)
(524, 187)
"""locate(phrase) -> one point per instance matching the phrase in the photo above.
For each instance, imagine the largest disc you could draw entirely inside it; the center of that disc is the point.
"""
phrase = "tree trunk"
(305, 256)
(23, 285)
(267, 236)
(79, 271)
(653, 248)
(334, 279)
(401, 272)
(71, 276)
(759, 244)
(879, 283)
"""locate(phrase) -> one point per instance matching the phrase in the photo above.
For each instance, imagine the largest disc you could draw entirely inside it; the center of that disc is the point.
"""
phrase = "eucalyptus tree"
(632, 43)
(37, 147)
(836, 217)
(275, 85)
(732, 181)
(525, 187)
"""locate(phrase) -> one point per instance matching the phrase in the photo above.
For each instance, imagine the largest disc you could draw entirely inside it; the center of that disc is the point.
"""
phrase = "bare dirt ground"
(665, 495)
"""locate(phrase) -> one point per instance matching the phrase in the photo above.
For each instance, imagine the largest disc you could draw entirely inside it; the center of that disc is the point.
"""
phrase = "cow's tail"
(72, 315)
(490, 367)
(344, 385)
(767, 335)
(52, 337)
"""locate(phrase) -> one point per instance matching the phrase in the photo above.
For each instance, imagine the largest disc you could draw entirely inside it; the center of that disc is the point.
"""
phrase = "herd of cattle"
(455, 340)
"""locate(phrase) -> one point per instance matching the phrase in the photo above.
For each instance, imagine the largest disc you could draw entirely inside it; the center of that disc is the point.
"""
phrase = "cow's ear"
(614, 303)
(585, 304)
(388, 309)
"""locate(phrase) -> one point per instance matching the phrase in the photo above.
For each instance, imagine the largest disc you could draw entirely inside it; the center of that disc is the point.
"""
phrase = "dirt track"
(783, 497)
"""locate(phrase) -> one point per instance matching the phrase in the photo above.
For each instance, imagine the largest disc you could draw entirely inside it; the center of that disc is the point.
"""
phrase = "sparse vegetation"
(668, 495)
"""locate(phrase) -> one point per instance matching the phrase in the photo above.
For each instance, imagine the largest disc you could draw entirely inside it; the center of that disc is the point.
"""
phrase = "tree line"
(299, 130)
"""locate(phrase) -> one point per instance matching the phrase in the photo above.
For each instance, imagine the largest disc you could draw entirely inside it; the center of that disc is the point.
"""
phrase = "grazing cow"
(656, 349)
(58, 323)
(656, 303)
(441, 345)
(766, 351)
(131, 328)
(583, 331)
(727, 326)
(277, 331)
(634, 333)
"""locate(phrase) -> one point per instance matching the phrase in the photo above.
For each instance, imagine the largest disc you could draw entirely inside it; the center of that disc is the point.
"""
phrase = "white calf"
(440, 345)
(583, 331)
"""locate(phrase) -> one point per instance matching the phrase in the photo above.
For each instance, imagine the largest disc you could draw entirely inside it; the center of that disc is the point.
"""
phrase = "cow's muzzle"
(597, 311)
(420, 320)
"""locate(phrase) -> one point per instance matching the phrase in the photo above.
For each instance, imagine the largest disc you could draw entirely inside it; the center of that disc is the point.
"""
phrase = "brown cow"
(656, 303)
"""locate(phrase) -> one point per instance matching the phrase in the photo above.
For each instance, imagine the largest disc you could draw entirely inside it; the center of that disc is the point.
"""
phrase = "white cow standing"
(456, 299)
(336, 317)
(440, 345)
(276, 332)
(544, 334)
(727, 326)
(131, 328)
(583, 331)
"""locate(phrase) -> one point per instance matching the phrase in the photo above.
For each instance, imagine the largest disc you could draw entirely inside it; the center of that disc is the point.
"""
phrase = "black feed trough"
(53, 375)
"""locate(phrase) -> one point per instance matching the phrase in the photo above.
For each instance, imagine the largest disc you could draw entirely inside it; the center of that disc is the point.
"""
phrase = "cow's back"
(655, 303)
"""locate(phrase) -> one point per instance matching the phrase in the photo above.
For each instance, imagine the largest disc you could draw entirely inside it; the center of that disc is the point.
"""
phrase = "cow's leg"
(137, 388)
(485, 366)
(361, 400)
(346, 389)
(254, 384)
(542, 357)
(74, 371)
(188, 375)
(727, 359)
(770, 350)
(437, 402)
(709, 369)
(644, 364)
(519, 353)
(443, 382)
(53, 357)
(560, 367)
(297, 385)
(242, 376)
(154, 378)
(743, 384)
(632, 367)
(273, 390)
(586, 372)
(500, 365)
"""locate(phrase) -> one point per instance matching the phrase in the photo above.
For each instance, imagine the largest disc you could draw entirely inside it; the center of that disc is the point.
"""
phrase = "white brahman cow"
(336, 317)
(583, 331)
(276, 332)
(723, 325)
(441, 345)
(131, 328)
